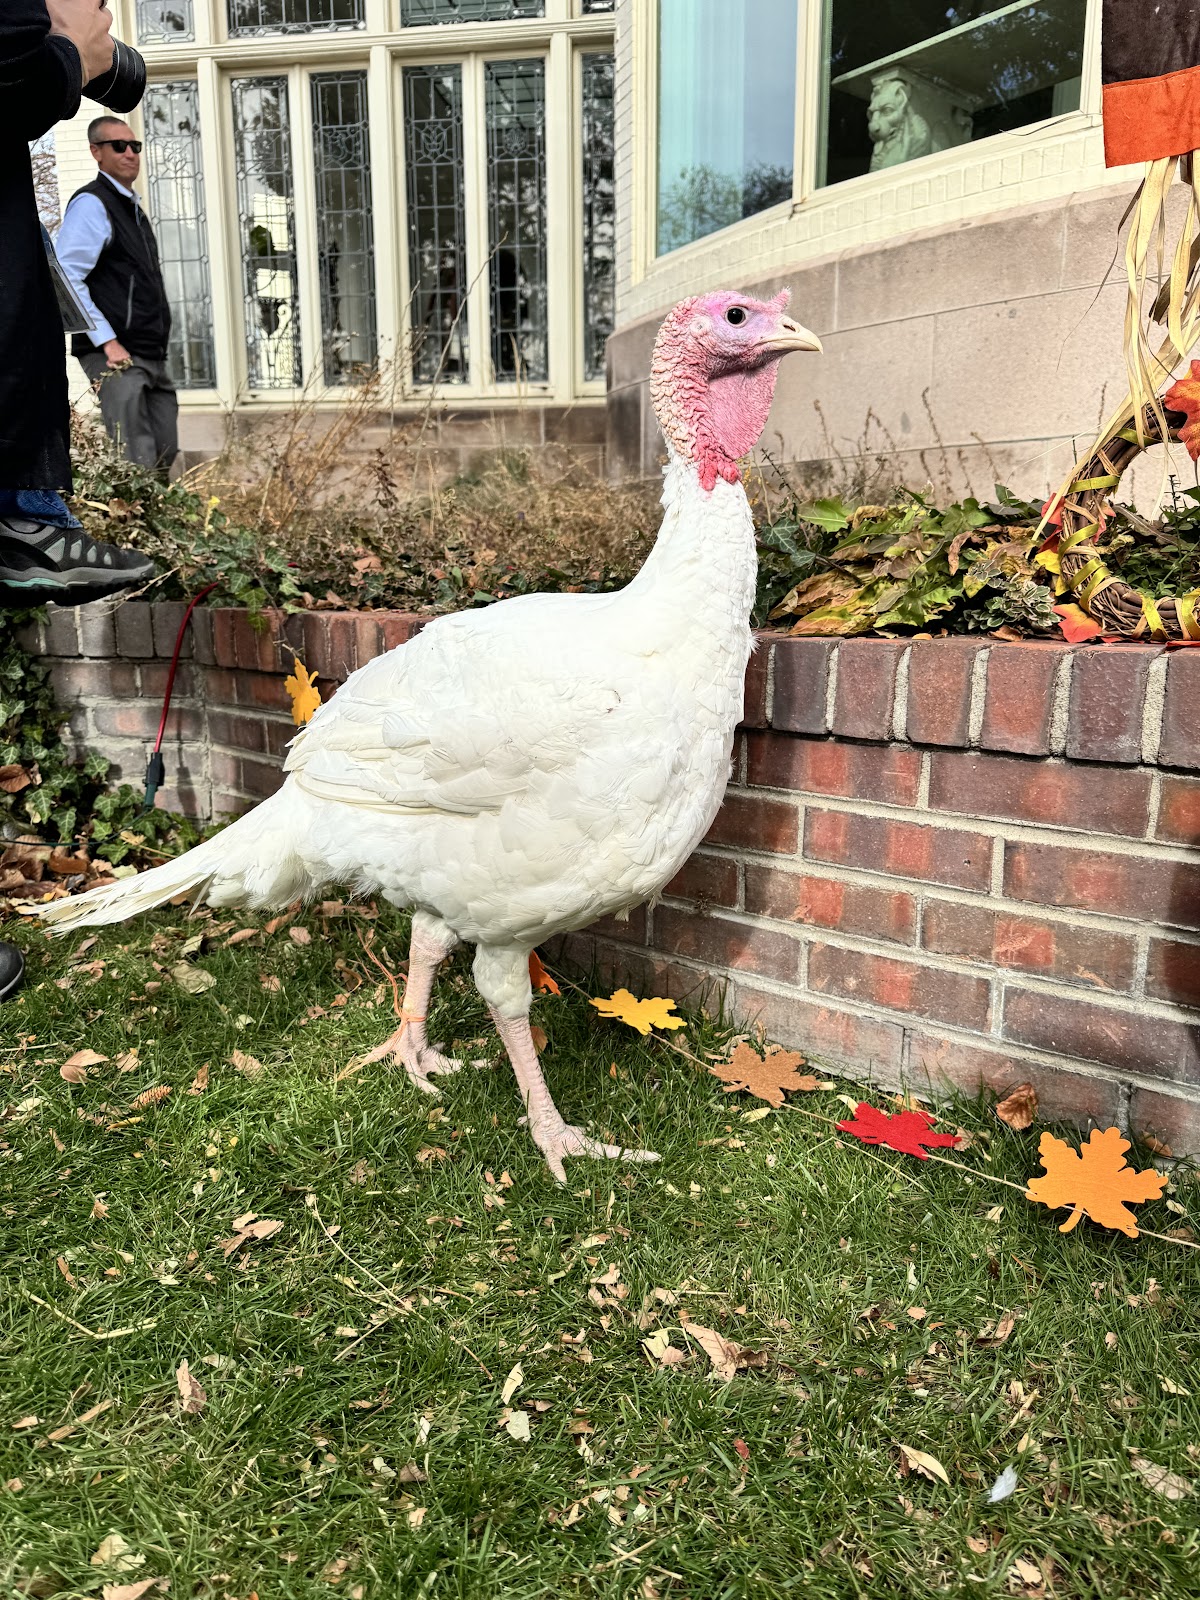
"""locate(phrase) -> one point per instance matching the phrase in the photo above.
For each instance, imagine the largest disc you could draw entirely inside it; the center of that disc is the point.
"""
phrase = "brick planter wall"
(940, 861)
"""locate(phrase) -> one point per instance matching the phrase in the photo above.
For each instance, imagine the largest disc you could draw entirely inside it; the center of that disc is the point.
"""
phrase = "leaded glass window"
(175, 183)
(432, 13)
(165, 21)
(599, 212)
(267, 231)
(294, 16)
(345, 245)
(437, 251)
(515, 117)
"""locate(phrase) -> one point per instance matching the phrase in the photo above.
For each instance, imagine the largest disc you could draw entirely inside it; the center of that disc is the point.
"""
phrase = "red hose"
(187, 617)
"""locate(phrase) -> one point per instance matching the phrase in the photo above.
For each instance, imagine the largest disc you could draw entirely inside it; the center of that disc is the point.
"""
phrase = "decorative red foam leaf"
(1075, 623)
(540, 980)
(1185, 396)
(908, 1131)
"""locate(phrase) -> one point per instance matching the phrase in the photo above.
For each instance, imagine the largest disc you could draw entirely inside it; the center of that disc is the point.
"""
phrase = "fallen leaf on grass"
(127, 1591)
(908, 1131)
(1095, 1181)
(1027, 1573)
(1018, 1108)
(727, 1358)
(765, 1076)
(512, 1383)
(994, 1334)
(516, 1425)
(193, 980)
(114, 1551)
(249, 1066)
(1162, 1481)
(538, 1035)
(127, 1061)
(240, 936)
(74, 1069)
(99, 1209)
(1169, 1386)
(921, 1461)
(200, 1081)
(192, 1397)
(23, 1423)
(57, 1435)
(299, 936)
(246, 1229)
(640, 1014)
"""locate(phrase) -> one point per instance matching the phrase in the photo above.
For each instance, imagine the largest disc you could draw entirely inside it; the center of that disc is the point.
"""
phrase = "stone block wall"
(939, 861)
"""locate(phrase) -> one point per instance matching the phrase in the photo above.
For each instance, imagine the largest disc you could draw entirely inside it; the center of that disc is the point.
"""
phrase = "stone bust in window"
(909, 117)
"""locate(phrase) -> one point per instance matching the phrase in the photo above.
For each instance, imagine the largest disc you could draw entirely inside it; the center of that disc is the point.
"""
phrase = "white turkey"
(517, 772)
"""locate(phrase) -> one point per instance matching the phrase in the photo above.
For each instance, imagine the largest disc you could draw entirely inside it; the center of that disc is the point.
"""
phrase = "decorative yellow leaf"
(306, 697)
(1096, 1181)
(640, 1014)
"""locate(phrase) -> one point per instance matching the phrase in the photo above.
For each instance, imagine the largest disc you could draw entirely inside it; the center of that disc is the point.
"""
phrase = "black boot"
(12, 970)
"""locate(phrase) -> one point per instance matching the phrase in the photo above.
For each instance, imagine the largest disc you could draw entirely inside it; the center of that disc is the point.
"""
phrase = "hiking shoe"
(42, 561)
(12, 970)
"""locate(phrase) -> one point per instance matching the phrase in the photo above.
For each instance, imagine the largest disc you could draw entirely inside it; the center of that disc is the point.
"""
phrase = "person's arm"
(85, 231)
(48, 50)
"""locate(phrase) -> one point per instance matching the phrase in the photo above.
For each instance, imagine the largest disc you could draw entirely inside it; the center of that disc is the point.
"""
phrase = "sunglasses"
(121, 145)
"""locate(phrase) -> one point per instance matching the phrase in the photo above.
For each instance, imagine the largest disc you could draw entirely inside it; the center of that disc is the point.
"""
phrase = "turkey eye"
(736, 315)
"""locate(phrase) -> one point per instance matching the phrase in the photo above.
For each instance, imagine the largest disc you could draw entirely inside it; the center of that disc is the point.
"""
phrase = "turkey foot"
(418, 1058)
(555, 1138)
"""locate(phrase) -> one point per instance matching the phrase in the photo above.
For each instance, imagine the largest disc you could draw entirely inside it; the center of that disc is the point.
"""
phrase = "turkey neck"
(696, 587)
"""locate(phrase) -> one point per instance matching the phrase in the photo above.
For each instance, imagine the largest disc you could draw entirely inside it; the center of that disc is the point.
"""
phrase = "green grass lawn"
(352, 1442)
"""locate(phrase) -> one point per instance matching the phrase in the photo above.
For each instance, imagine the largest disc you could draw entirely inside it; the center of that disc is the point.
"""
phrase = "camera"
(120, 88)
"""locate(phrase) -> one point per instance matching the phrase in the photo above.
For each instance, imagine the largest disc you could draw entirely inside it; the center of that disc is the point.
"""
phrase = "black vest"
(126, 283)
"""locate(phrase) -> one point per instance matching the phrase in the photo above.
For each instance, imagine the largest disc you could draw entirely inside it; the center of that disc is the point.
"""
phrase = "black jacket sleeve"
(41, 78)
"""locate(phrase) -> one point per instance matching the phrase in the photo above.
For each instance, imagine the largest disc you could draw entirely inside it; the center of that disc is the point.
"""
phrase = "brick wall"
(939, 861)
(230, 715)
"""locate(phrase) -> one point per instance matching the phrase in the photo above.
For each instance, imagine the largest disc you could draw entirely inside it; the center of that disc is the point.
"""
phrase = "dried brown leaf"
(1019, 1107)
(192, 1397)
(248, 1065)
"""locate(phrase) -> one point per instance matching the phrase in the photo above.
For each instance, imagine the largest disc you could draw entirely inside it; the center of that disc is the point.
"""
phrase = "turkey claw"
(557, 1141)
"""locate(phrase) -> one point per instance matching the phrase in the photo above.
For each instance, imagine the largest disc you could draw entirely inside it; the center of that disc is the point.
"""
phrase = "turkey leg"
(555, 1138)
(431, 942)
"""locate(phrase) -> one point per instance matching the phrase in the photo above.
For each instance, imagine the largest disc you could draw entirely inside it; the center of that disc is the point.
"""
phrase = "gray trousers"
(139, 408)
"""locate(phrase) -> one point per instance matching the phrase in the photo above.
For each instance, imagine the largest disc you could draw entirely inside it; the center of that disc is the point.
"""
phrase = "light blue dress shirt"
(85, 231)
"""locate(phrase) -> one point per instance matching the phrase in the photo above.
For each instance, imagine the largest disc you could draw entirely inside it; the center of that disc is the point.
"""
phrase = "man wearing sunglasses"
(107, 248)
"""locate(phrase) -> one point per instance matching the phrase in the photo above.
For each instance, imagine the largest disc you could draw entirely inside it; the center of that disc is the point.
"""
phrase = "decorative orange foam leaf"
(767, 1077)
(540, 979)
(909, 1132)
(1075, 623)
(640, 1014)
(306, 697)
(1185, 396)
(1095, 1181)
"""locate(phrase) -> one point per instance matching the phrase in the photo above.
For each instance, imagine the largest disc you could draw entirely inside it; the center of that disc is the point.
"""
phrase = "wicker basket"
(1114, 604)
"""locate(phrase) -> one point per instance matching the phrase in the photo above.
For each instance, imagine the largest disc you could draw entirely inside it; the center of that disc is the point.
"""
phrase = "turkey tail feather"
(251, 862)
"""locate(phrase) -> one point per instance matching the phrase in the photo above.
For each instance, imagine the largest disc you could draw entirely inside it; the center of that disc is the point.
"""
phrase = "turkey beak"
(789, 335)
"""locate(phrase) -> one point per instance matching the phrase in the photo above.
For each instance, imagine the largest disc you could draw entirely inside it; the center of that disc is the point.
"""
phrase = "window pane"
(342, 164)
(726, 109)
(516, 146)
(164, 21)
(437, 250)
(599, 212)
(429, 13)
(293, 16)
(175, 183)
(927, 75)
(590, 6)
(267, 230)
